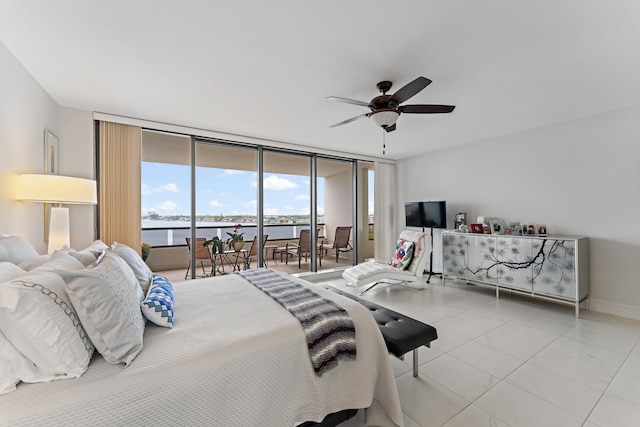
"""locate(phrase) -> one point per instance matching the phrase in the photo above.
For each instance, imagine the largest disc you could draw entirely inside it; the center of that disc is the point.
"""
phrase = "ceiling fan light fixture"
(384, 118)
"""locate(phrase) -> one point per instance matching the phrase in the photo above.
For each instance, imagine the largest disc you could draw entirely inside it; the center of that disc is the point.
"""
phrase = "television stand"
(431, 273)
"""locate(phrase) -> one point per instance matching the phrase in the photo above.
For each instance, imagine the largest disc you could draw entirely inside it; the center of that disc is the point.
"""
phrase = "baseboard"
(615, 308)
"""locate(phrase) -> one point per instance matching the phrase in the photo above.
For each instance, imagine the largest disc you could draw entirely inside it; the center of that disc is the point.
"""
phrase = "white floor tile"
(626, 387)
(609, 341)
(474, 416)
(555, 389)
(574, 368)
(427, 402)
(469, 325)
(519, 408)
(525, 331)
(484, 357)
(612, 411)
(587, 353)
(466, 380)
(508, 344)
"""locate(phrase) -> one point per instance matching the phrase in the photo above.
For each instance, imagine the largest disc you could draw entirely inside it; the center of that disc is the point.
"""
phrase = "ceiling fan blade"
(349, 101)
(390, 128)
(426, 109)
(409, 90)
(352, 119)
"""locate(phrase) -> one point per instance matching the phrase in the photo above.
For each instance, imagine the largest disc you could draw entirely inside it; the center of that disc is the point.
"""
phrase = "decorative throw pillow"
(9, 271)
(37, 318)
(404, 253)
(140, 268)
(16, 249)
(106, 299)
(158, 305)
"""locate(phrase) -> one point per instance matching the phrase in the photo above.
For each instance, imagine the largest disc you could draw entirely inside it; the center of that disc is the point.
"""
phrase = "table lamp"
(57, 189)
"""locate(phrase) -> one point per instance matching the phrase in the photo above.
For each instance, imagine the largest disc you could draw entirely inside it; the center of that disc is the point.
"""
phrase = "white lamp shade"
(384, 117)
(56, 189)
(58, 229)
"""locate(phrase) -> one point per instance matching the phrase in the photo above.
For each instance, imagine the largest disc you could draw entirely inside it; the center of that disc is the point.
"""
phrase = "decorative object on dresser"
(554, 268)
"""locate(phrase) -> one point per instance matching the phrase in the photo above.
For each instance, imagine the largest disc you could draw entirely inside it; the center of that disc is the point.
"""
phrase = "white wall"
(579, 178)
(26, 110)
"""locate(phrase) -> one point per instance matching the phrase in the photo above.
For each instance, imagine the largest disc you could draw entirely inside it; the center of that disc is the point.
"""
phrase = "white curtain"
(385, 210)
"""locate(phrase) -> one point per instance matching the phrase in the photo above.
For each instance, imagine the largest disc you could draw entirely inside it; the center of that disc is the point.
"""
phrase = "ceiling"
(264, 69)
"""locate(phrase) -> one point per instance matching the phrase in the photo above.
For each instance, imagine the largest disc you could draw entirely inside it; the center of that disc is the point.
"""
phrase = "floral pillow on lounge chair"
(403, 256)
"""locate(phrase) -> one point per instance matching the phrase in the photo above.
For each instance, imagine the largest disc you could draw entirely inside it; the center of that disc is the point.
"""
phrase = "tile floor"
(513, 361)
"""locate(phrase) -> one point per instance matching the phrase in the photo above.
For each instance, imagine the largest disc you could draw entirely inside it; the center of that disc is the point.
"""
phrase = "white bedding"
(235, 357)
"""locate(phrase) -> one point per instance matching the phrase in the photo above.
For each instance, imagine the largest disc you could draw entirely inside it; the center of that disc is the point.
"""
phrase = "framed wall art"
(50, 153)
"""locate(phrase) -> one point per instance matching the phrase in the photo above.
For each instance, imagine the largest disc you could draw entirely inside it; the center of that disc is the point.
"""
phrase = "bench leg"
(415, 362)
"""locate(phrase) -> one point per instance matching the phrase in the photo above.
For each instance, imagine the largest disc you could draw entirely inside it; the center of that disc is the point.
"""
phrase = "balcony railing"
(175, 236)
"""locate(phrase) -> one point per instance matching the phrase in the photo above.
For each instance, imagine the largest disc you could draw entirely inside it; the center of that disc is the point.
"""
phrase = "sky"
(166, 191)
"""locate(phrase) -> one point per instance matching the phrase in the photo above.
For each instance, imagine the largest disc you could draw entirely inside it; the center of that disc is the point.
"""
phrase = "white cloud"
(146, 190)
(166, 206)
(228, 172)
(216, 204)
(275, 183)
(271, 211)
(251, 204)
(302, 197)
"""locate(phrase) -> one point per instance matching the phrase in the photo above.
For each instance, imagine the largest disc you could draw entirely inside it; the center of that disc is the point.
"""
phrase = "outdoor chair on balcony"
(301, 249)
(340, 243)
(203, 255)
(253, 252)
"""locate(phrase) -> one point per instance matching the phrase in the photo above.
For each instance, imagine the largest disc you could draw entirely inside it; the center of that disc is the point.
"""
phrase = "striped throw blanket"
(329, 329)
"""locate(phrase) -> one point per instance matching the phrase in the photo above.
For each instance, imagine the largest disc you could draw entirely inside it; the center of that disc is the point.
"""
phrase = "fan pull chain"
(384, 142)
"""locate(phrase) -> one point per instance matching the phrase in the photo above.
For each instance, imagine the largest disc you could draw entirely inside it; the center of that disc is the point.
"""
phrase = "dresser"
(555, 268)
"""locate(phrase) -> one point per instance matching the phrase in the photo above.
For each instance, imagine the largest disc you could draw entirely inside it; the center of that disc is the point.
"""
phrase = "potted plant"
(236, 239)
(216, 245)
(146, 250)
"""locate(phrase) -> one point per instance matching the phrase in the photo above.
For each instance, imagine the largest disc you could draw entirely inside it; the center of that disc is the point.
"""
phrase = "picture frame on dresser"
(496, 225)
(477, 228)
(542, 230)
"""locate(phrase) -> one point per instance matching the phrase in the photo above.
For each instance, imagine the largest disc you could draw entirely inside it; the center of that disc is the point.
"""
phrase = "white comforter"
(235, 357)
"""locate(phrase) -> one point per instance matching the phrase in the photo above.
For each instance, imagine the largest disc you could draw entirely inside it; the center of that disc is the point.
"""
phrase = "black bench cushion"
(401, 333)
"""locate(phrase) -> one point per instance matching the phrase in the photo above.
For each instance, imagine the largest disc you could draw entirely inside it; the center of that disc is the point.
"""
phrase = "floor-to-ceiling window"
(280, 193)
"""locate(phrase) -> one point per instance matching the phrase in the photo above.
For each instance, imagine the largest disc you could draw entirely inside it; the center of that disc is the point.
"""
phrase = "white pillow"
(140, 268)
(106, 299)
(8, 377)
(16, 249)
(85, 257)
(37, 317)
(31, 263)
(60, 261)
(14, 367)
(9, 271)
(97, 247)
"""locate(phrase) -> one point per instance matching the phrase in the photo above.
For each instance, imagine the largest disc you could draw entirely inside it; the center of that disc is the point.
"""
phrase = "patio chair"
(202, 254)
(340, 243)
(253, 251)
(407, 270)
(301, 249)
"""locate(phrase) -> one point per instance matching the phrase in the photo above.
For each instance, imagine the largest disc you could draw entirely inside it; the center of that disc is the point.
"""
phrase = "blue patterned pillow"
(158, 305)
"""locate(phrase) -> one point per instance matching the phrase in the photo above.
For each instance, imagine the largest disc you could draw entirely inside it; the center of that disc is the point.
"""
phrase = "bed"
(234, 357)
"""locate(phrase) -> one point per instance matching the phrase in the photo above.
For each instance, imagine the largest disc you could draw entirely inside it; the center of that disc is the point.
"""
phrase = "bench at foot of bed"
(401, 333)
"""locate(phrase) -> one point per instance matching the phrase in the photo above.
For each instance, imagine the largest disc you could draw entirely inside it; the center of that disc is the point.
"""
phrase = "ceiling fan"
(386, 109)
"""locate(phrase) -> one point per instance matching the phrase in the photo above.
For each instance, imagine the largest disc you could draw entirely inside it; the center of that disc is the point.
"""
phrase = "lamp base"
(58, 229)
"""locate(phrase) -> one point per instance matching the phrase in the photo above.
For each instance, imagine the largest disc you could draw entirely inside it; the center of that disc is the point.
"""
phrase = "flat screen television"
(434, 214)
(413, 214)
